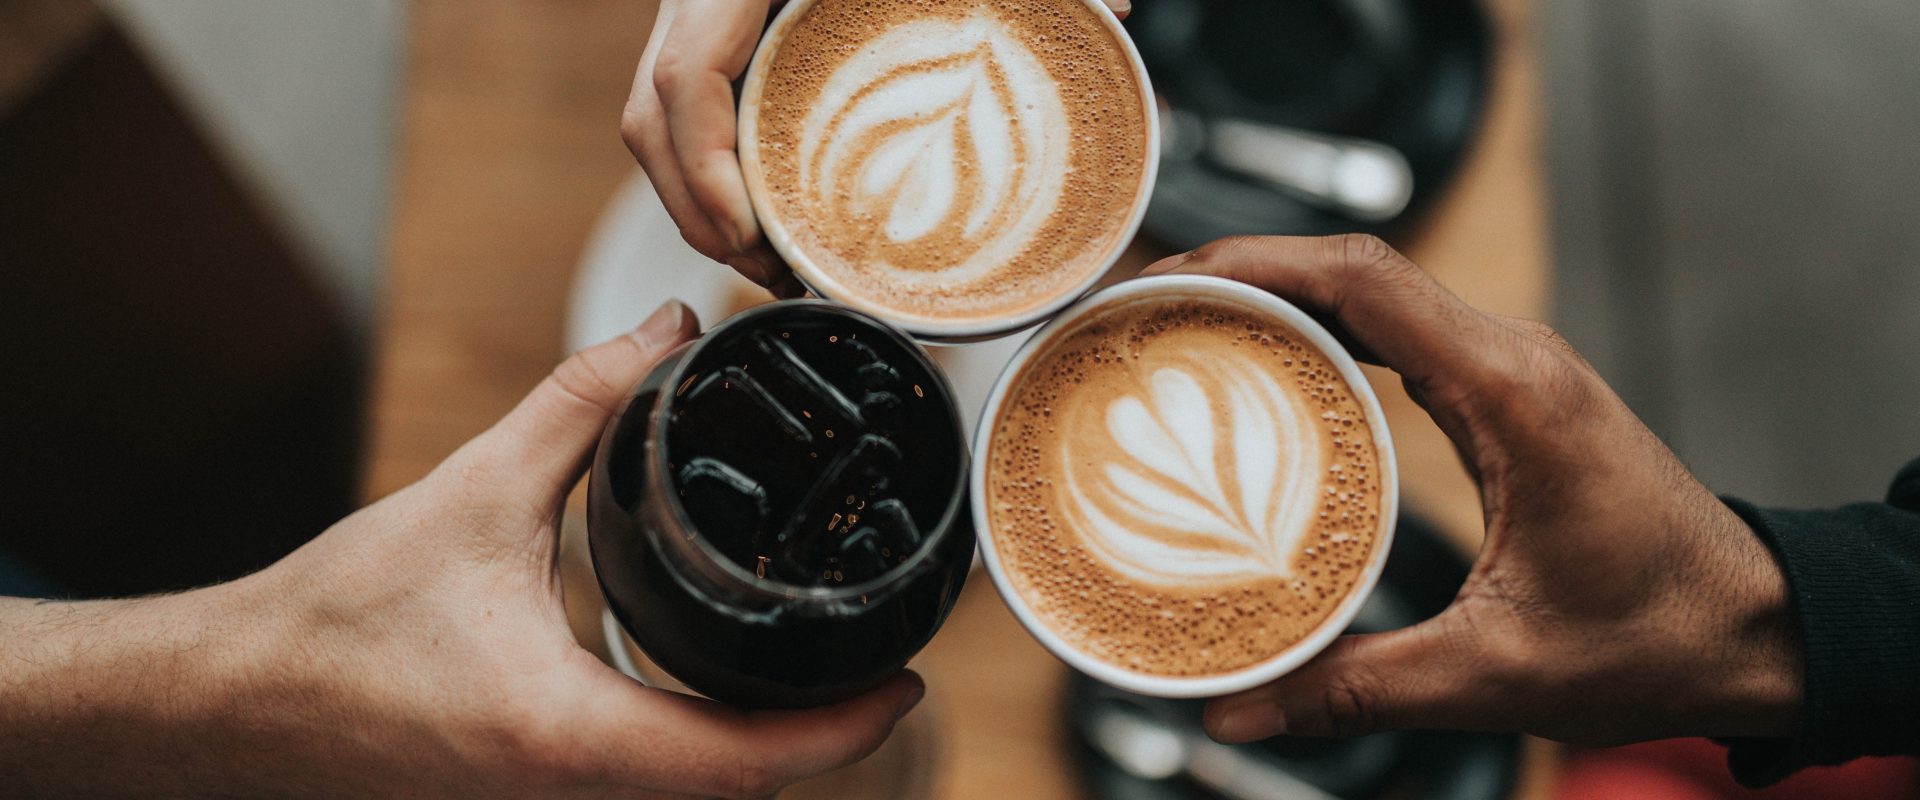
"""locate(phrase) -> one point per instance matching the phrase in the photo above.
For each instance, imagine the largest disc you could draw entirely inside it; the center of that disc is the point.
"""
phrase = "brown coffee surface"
(952, 160)
(1126, 477)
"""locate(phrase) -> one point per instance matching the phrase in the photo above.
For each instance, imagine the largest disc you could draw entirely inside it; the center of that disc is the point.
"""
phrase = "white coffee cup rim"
(925, 327)
(1260, 301)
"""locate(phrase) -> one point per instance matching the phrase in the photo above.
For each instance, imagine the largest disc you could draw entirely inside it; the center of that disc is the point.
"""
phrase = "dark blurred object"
(182, 399)
(36, 37)
(1423, 574)
(1360, 179)
(1696, 769)
(1407, 74)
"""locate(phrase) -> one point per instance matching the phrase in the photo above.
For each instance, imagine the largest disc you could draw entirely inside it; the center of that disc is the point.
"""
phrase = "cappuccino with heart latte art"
(956, 166)
(1182, 485)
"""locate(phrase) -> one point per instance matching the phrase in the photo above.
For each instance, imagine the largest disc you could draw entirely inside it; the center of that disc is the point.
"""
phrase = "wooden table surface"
(509, 149)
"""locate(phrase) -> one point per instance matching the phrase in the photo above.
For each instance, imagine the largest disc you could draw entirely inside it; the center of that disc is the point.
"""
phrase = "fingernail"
(1120, 8)
(663, 323)
(1247, 723)
(909, 700)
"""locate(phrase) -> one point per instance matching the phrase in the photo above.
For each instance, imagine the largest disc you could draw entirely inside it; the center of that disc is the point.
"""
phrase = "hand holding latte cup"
(960, 170)
(679, 123)
(1615, 599)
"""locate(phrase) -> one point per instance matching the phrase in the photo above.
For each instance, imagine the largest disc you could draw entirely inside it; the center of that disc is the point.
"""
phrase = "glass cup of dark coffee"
(778, 515)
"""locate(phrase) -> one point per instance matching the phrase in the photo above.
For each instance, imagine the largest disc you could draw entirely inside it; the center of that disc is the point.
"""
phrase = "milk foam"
(951, 161)
(940, 127)
(1182, 486)
(1163, 505)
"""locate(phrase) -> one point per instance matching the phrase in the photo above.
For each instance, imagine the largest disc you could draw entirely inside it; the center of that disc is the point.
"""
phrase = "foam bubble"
(1194, 470)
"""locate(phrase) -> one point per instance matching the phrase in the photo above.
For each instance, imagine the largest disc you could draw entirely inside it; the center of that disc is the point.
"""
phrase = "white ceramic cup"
(1178, 287)
(926, 328)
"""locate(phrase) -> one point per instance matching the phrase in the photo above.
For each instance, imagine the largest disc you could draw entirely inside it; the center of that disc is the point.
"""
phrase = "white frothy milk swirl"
(940, 130)
(1209, 476)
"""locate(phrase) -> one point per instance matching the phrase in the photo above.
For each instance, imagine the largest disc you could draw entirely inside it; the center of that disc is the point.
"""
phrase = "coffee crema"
(1182, 487)
(952, 161)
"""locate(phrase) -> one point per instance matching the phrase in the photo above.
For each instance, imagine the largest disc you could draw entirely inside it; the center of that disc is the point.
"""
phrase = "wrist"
(1761, 685)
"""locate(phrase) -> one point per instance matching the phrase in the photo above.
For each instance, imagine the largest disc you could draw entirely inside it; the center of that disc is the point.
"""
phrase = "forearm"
(114, 697)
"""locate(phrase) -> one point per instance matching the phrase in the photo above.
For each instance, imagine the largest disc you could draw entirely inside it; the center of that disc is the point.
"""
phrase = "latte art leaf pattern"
(1211, 476)
(940, 132)
(1183, 485)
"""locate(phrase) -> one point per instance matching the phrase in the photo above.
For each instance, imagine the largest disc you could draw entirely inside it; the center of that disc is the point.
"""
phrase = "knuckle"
(1239, 243)
(1219, 247)
(1540, 374)
(1366, 252)
(1561, 379)
(1489, 629)
(1366, 262)
(669, 71)
(1363, 267)
(1515, 390)
(680, 68)
(582, 381)
(633, 129)
(1348, 709)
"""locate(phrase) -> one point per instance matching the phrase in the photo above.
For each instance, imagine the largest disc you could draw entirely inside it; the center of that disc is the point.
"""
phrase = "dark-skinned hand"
(1615, 598)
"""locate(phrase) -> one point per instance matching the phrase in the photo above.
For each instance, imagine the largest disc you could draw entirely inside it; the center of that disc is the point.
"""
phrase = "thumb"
(538, 449)
(1427, 676)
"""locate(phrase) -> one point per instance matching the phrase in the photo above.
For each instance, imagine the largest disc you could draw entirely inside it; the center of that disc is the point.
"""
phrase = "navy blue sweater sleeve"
(1853, 574)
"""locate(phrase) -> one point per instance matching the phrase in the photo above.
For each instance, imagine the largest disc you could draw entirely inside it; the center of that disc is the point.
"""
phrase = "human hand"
(1615, 598)
(417, 648)
(680, 124)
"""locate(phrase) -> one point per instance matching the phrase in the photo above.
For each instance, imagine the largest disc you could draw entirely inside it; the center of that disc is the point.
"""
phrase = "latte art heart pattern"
(946, 132)
(1209, 475)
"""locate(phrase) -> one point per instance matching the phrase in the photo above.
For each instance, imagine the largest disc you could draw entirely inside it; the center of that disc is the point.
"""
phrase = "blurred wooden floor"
(508, 151)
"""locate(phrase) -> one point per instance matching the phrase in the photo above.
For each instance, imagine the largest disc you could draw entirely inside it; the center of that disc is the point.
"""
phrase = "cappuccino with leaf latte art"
(1182, 486)
(948, 163)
